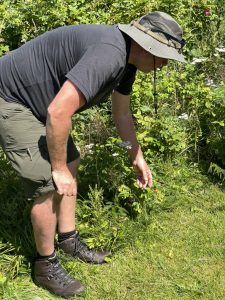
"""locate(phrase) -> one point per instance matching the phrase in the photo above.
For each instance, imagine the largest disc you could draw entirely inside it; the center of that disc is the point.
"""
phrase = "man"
(42, 85)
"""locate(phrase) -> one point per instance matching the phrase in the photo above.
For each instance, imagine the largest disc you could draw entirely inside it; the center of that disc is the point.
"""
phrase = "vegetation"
(168, 241)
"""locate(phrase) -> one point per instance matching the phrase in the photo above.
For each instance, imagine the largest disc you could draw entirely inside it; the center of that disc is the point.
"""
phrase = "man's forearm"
(126, 130)
(57, 132)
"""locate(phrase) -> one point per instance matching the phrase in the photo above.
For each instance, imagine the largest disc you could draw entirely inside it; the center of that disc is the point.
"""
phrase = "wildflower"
(207, 12)
(115, 154)
(125, 144)
(209, 82)
(183, 116)
(198, 60)
(89, 146)
(221, 50)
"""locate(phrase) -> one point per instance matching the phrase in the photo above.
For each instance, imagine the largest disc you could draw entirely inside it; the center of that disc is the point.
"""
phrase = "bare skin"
(65, 212)
(68, 100)
(51, 210)
(125, 127)
(143, 60)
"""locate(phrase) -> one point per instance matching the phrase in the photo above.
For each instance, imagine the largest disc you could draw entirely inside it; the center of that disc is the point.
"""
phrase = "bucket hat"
(158, 33)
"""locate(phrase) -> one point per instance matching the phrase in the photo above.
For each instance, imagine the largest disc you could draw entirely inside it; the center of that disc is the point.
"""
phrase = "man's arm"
(68, 100)
(126, 130)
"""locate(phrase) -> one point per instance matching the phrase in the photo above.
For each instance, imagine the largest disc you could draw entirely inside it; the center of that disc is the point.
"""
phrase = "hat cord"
(154, 89)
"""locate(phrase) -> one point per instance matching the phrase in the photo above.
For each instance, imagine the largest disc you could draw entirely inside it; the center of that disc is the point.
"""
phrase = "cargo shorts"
(23, 139)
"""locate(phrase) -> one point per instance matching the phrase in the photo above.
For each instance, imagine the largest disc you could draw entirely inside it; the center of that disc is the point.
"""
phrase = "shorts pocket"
(30, 164)
(19, 128)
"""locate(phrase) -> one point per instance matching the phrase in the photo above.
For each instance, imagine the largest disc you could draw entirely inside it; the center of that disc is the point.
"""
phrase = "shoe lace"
(80, 246)
(60, 274)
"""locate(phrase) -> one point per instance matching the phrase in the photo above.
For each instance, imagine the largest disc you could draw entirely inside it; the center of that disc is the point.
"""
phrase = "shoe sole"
(78, 293)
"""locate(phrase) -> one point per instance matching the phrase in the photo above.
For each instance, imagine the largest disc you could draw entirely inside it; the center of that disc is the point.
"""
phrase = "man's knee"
(45, 201)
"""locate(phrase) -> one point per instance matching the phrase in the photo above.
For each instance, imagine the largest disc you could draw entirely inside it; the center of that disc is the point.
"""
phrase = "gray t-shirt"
(93, 57)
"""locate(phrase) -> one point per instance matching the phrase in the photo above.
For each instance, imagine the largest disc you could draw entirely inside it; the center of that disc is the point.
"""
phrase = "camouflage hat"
(158, 33)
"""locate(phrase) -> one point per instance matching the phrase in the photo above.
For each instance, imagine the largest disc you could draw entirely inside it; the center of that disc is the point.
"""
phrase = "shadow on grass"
(16, 236)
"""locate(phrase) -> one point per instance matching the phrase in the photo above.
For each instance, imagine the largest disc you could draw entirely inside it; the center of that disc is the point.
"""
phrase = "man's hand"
(68, 100)
(144, 175)
(64, 181)
(125, 127)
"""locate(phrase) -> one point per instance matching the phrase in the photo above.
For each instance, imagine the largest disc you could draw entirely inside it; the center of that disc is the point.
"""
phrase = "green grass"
(175, 251)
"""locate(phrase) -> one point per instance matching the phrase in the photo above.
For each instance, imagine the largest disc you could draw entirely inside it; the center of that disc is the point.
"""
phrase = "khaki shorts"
(23, 139)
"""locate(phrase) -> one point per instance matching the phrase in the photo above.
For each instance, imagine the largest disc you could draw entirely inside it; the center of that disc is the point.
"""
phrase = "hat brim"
(150, 44)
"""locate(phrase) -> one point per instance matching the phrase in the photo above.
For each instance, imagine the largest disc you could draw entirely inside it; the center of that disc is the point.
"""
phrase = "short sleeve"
(99, 66)
(126, 83)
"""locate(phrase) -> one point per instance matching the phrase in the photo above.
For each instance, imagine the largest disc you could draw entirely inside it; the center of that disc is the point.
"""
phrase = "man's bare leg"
(43, 218)
(49, 209)
(67, 205)
(68, 239)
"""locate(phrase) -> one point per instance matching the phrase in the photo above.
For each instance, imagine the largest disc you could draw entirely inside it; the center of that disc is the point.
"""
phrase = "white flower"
(209, 82)
(115, 154)
(198, 60)
(125, 144)
(221, 50)
(183, 116)
(90, 146)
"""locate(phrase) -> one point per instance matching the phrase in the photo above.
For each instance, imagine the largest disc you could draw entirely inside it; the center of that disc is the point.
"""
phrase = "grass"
(176, 251)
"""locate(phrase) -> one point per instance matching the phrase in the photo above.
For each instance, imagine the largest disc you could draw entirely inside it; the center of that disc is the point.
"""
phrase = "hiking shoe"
(77, 249)
(49, 274)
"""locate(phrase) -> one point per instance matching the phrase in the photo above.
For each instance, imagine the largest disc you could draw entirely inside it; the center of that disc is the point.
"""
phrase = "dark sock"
(64, 236)
(40, 257)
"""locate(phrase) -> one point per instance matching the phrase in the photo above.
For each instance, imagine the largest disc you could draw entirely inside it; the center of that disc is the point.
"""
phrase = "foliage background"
(188, 130)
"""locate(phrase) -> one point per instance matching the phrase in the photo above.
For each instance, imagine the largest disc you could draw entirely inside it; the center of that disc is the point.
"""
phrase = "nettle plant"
(109, 166)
